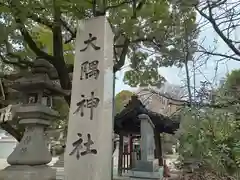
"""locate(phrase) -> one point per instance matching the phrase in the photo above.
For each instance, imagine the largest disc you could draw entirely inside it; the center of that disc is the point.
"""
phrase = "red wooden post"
(120, 154)
(131, 150)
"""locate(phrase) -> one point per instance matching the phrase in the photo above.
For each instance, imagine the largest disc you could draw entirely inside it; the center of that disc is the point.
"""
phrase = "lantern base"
(20, 172)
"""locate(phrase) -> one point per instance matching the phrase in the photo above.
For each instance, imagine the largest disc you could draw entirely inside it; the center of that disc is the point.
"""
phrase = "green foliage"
(168, 30)
(121, 99)
(232, 82)
(152, 25)
(229, 89)
(143, 72)
(43, 37)
(212, 137)
(149, 33)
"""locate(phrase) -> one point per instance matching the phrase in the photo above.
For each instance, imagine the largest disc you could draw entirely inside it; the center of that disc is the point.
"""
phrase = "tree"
(210, 137)
(209, 134)
(223, 17)
(121, 99)
(126, 17)
(28, 26)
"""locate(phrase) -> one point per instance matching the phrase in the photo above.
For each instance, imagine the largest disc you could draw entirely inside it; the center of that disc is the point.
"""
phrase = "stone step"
(59, 164)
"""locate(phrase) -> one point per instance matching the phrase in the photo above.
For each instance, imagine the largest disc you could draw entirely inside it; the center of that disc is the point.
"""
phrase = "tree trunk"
(187, 58)
(188, 82)
(59, 62)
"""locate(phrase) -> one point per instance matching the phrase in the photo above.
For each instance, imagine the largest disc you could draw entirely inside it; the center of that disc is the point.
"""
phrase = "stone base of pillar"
(146, 170)
(143, 175)
(23, 172)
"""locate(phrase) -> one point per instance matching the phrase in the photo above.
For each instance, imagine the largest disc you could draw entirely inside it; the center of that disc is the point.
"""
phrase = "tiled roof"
(127, 120)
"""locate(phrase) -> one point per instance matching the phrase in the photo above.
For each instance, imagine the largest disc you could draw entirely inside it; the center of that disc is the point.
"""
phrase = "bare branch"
(68, 28)
(178, 102)
(219, 54)
(215, 26)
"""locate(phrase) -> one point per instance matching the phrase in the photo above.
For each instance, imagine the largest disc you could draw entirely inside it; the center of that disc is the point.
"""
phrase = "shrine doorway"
(129, 152)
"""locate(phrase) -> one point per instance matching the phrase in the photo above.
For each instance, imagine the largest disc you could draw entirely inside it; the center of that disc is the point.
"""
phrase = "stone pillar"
(89, 149)
(147, 138)
(30, 158)
(147, 168)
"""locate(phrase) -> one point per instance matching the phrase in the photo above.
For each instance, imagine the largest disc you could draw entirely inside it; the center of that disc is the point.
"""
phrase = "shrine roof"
(128, 122)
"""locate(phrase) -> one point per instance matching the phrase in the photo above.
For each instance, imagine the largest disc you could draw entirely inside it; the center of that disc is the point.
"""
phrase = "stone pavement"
(170, 160)
(120, 178)
(4, 164)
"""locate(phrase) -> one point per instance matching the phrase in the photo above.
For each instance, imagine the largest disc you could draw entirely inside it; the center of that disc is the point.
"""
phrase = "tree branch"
(125, 46)
(219, 54)
(179, 102)
(60, 64)
(18, 64)
(72, 32)
(58, 59)
(217, 29)
(122, 58)
(33, 46)
(119, 63)
(27, 37)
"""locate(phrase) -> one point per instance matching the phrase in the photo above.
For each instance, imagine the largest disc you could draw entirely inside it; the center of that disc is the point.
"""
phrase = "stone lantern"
(30, 158)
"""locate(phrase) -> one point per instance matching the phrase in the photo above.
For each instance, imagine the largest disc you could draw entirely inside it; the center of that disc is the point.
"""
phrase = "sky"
(177, 76)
